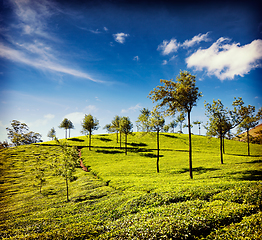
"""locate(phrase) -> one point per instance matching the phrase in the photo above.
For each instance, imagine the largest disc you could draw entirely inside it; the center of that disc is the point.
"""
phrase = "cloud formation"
(120, 37)
(225, 60)
(131, 109)
(167, 47)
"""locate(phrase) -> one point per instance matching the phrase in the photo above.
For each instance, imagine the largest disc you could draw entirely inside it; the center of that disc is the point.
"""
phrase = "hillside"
(123, 197)
(252, 132)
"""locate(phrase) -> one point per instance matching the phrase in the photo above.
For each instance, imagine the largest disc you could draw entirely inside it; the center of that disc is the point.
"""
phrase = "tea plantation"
(123, 197)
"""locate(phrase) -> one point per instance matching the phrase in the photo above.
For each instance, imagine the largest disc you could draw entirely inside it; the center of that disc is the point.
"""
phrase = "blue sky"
(68, 58)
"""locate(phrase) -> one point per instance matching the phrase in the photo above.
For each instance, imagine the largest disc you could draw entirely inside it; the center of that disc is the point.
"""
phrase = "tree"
(250, 120)
(173, 125)
(65, 124)
(181, 96)
(126, 128)
(19, 134)
(156, 123)
(199, 125)
(4, 144)
(222, 120)
(108, 127)
(143, 120)
(166, 128)
(38, 172)
(70, 126)
(52, 133)
(115, 126)
(89, 124)
(180, 119)
(66, 164)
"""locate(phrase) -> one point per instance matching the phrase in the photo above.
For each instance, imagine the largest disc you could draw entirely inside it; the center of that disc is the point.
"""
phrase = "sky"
(64, 59)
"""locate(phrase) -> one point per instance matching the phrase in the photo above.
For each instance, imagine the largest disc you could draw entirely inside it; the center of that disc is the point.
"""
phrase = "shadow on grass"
(251, 175)
(198, 170)
(108, 151)
(76, 139)
(105, 139)
(170, 136)
(243, 155)
(137, 144)
(150, 155)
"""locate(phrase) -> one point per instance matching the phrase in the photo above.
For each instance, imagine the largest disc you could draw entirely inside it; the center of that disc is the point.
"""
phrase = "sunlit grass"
(123, 197)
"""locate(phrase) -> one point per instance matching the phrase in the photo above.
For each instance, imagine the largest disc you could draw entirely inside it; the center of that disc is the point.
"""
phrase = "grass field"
(123, 197)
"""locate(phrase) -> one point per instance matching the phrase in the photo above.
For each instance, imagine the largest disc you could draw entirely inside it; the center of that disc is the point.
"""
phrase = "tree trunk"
(67, 195)
(190, 148)
(221, 147)
(223, 144)
(199, 129)
(157, 160)
(116, 136)
(126, 143)
(66, 133)
(89, 141)
(120, 138)
(69, 132)
(248, 149)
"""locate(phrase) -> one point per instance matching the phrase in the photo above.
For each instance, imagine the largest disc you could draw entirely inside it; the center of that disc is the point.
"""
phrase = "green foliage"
(52, 133)
(89, 124)
(122, 197)
(19, 134)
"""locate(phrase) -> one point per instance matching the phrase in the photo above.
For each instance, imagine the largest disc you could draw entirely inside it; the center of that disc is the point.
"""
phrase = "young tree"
(52, 133)
(156, 123)
(222, 120)
(143, 120)
(126, 128)
(66, 164)
(108, 127)
(181, 96)
(199, 125)
(173, 125)
(38, 173)
(166, 128)
(19, 134)
(65, 124)
(180, 119)
(70, 126)
(89, 124)
(250, 120)
(115, 127)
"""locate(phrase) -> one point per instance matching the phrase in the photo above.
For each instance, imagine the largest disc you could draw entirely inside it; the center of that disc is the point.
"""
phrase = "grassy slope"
(124, 197)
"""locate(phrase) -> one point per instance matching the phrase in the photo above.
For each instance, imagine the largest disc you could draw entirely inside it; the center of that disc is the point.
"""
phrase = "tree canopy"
(19, 134)
(180, 95)
(89, 125)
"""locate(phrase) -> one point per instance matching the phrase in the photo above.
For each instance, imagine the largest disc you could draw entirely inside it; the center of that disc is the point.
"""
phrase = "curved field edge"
(122, 197)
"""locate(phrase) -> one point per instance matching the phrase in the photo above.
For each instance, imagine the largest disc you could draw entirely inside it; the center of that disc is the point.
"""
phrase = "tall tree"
(249, 120)
(173, 125)
(199, 125)
(222, 120)
(70, 126)
(143, 120)
(156, 123)
(65, 124)
(180, 119)
(52, 133)
(181, 96)
(19, 134)
(89, 124)
(126, 128)
(115, 126)
(66, 164)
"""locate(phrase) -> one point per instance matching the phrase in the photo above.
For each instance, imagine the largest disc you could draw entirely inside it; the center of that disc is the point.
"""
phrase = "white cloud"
(75, 117)
(120, 37)
(43, 64)
(106, 29)
(168, 47)
(49, 116)
(131, 109)
(196, 39)
(136, 58)
(90, 109)
(225, 60)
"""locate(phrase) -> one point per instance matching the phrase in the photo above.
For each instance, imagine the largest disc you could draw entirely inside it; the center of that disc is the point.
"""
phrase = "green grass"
(123, 197)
